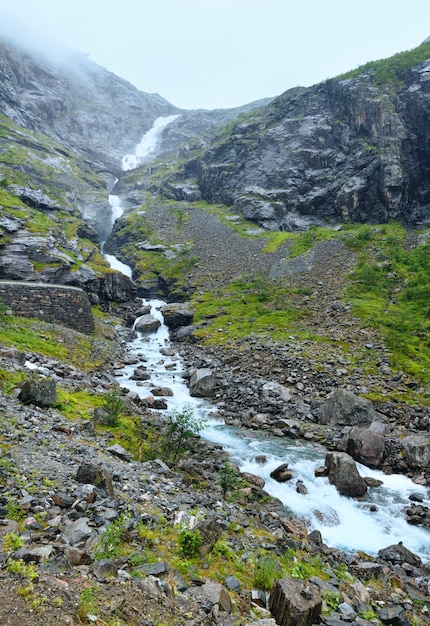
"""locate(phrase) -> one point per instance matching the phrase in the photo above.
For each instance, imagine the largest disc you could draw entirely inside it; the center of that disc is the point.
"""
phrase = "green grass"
(392, 71)
(390, 291)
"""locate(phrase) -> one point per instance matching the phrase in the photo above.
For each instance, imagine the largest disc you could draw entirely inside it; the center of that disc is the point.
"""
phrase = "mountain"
(353, 148)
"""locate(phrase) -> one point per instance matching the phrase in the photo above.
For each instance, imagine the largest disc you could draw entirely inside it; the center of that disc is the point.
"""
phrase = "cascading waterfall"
(368, 524)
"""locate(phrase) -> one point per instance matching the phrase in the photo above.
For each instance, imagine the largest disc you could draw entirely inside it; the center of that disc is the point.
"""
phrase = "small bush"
(190, 542)
(181, 428)
(113, 405)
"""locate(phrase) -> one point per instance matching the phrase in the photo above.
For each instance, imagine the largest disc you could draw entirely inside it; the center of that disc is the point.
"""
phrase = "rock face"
(341, 150)
(77, 102)
(344, 475)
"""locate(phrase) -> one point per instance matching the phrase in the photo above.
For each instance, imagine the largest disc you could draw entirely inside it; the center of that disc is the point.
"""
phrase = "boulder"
(177, 315)
(282, 474)
(366, 446)
(90, 474)
(346, 409)
(295, 602)
(202, 383)
(417, 451)
(147, 324)
(343, 473)
(398, 554)
(39, 391)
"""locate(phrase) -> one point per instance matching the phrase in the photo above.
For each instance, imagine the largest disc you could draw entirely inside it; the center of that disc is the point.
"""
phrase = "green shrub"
(182, 426)
(190, 542)
(266, 571)
(113, 405)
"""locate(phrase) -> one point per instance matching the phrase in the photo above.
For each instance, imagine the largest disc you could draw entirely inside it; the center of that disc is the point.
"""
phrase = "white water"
(148, 144)
(345, 523)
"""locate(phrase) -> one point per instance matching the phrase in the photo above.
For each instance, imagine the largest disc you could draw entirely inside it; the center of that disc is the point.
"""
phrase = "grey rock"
(366, 446)
(147, 323)
(346, 409)
(398, 554)
(294, 602)
(77, 531)
(177, 315)
(39, 391)
(202, 383)
(417, 451)
(344, 475)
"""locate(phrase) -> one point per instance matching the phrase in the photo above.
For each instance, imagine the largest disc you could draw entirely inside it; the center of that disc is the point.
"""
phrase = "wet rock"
(344, 475)
(346, 409)
(282, 474)
(294, 602)
(147, 324)
(177, 315)
(366, 446)
(202, 383)
(161, 391)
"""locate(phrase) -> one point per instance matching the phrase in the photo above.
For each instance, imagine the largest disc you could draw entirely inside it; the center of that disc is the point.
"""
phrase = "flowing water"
(368, 524)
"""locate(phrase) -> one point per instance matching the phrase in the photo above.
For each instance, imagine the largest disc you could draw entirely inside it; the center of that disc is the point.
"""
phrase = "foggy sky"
(222, 53)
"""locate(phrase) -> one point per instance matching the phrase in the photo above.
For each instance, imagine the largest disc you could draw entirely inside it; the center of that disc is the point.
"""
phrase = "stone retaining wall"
(68, 306)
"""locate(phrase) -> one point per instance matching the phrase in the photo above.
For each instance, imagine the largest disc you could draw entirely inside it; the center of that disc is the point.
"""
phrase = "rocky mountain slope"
(352, 148)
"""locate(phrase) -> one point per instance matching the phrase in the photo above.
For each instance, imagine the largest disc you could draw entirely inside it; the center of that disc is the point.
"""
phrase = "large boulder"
(39, 391)
(343, 473)
(177, 315)
(398, 554)
(295, 602)
(366, 445)
(202, 383)
(344, 408)
(147, 324)
(417, 451)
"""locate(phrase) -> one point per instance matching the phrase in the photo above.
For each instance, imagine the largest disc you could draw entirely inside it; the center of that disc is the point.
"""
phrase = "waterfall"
(148, 144)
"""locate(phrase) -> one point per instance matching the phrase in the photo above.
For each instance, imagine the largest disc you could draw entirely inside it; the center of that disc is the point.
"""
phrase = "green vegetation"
(182, 426)
(112, 542)
(392, 71)
(113, 405)
(190, 542)
(246, 307)
(390, 290)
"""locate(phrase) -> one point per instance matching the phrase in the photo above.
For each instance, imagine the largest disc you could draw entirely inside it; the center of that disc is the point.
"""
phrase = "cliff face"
(343, 150)
(77, 102)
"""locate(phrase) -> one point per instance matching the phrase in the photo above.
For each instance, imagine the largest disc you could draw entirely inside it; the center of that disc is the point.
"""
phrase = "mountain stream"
(368, 524)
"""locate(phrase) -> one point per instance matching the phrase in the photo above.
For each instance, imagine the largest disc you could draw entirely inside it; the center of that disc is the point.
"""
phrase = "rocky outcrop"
(345, 408)
(342, 150)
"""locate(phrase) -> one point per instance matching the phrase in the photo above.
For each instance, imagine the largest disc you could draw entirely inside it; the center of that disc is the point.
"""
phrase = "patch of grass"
(242, 309)
(392, 71)
(389, 290)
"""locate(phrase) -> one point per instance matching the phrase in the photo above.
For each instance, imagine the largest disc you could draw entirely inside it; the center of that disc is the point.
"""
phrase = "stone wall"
(68, 306)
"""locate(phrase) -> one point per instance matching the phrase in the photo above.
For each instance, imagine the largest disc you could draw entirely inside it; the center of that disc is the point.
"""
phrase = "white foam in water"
(147, 145)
